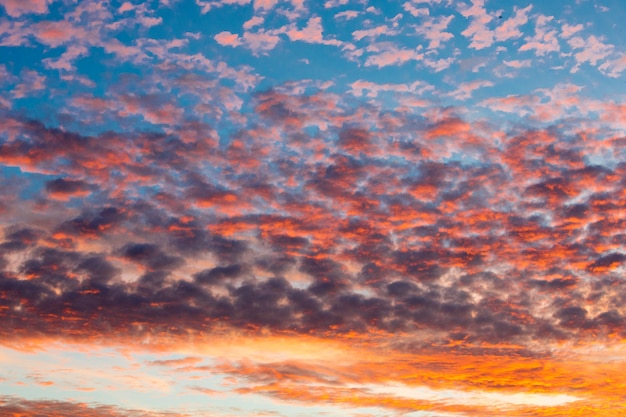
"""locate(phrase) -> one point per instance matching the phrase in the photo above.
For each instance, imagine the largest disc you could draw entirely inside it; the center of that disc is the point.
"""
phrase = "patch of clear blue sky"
(30, 184)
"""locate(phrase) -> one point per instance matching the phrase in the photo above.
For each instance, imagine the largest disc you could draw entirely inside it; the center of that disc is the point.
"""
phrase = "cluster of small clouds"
(386, 178)
(484, 30)
(182, 230)
(419, 32)
(192, 200)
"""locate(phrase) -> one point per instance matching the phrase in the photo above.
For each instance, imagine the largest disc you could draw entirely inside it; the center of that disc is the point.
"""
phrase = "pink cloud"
(206, 6)
(65, 61)
(78, 79)
(260, 41)
(193, 35)
(439, 64)
(264, 4)
(517, 63)
(567, 31)
(348, 15)
(58, 33)
(521, 105)
(16, 8)
(434, 29)
(33, 81)
(562, 94)
(544, 40)
(148, 21)
(592, 50)
(481, 36)
(151, 109)
(509, 29)
(312, 33)
(415, 11)
(614, 67)
(254, 21)
(372, 33)
(387, 54)
(126, 7)
(91, 103)
(14, 33)
(556, 103)
(227, 39)
(416, 7)
(334, 3)
(123, 51)
(298, 5)
(4, 74)
(5, 104)
(360, 86)
(465, 90)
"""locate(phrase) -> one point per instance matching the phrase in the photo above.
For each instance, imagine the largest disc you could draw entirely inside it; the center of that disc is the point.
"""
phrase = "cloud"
(521, 105)
(480, 35)
(613, 67)
(261, 41)
(567, 31)
(56, 33)
(387, 54)
(545, 39)
(311, 33)
(329, 4)
(419, 7)
(20, 406)
(254, 21)
(433, 29)
(264, 4)
(518, 63)
(464, 90)
(440, 64)
(372, 33)
(359, 88)
(227, 39)
(207, 5)
(509, 29)
(21, 238)
(415, 11)
(17, 8)
(32, 82)
(162, 282)
(347, 14)
(63, 189)
(590, 50)
(66, 61)
(259, 225)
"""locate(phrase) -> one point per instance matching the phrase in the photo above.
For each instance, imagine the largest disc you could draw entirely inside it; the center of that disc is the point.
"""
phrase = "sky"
(298, 208)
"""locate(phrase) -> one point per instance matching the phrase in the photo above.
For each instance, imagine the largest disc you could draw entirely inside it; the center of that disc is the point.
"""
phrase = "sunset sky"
(341, 208)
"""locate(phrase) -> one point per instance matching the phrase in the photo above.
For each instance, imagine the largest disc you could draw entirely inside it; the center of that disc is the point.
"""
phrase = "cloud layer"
(433, 197)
